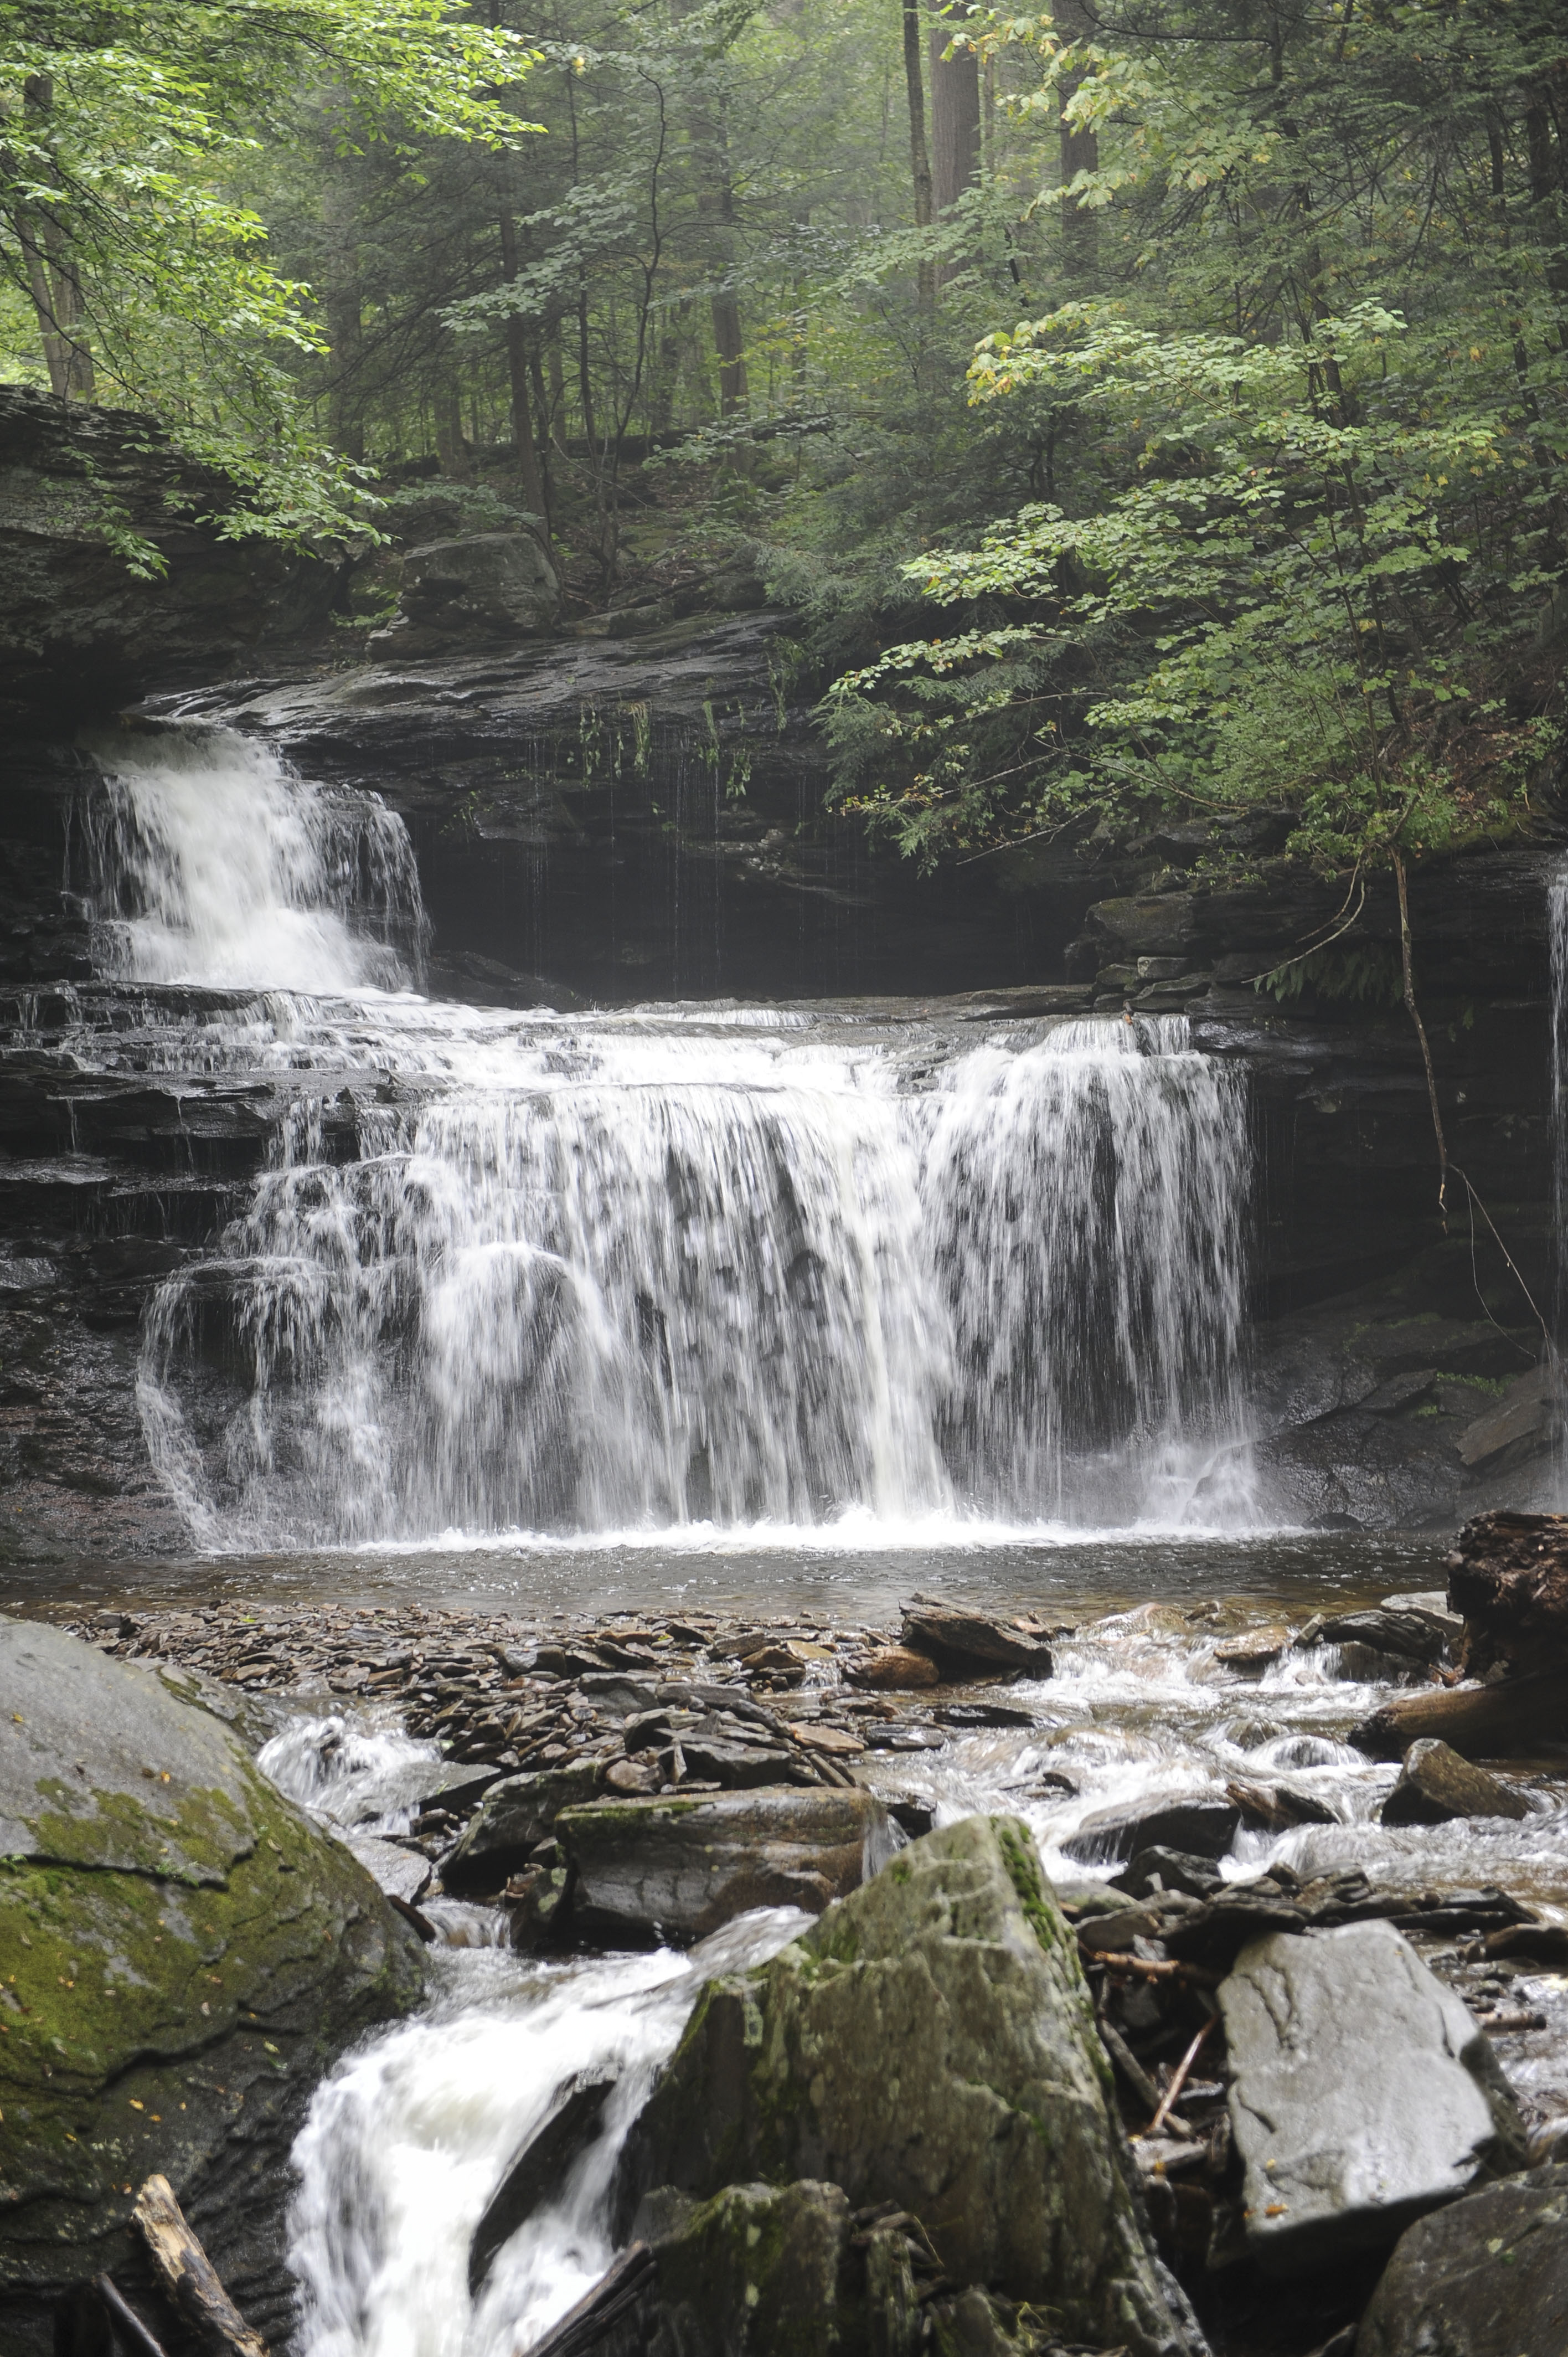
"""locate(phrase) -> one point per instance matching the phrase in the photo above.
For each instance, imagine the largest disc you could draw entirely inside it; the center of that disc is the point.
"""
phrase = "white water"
(663, 1270)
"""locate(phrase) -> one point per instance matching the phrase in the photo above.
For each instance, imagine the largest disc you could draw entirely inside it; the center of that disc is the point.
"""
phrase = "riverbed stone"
(512, 1819)
(676, 1868)
(185, 1955)
(1363, 2093)
(761, 2271)
(1202, 1824)
(962, 1641)
(1487, 2276)
(932, 2045)
(1436, 1785)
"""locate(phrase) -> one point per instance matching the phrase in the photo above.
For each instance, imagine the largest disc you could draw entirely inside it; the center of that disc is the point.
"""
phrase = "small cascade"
(672, 1267)
(207, 861)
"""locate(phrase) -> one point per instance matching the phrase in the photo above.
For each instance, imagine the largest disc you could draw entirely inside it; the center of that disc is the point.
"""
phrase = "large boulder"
(1436, 1784)
(185, 1955)
(929, 2045)
(1363, 2093)
(79, 629)
(496, 586)
(1201, 1824)
(1485, 2277)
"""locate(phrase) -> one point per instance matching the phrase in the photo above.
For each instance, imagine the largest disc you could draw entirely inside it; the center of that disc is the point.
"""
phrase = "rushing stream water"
(784, 1310)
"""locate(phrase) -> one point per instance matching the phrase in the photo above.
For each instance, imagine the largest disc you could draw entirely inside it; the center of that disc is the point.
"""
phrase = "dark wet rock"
(539, 2169)
(1436, 1784)
(961, 1641)
(929, 2045)
(1485, 2277)
(1274, 1807)
(892, 1669)
(1157, 1868)
(1214, 1934)
(515, 1816)
(79, 632)
(1362, 2094)
(461, 594)
(1202, 1823)
(1409, 1636)
(736, 1766)
(186, 1954)
(677, 1868)
(1485, 1721)
(761, 2268)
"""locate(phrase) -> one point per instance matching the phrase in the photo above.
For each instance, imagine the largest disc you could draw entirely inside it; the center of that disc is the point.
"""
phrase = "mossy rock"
(184, 1954)
(931, 2044)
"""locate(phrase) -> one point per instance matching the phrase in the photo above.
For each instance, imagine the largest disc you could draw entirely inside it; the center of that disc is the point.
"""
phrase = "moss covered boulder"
(182, 1953)
(930, 2044)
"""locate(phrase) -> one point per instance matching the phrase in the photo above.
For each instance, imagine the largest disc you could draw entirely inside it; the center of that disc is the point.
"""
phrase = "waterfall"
(675, 1267)
(208, 861)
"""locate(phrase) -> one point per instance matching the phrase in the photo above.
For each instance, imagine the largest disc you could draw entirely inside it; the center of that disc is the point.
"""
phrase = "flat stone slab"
(1363, 2093)
(1485, 2277)
(676, 1869)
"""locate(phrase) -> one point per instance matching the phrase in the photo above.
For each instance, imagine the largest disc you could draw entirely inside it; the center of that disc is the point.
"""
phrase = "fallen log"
(1509, 1576)
(1478, 1722)
(191, 2278)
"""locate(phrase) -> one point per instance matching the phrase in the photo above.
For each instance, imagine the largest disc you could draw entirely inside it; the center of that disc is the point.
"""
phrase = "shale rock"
(1202, 1824)
(1436, 1785)
(1485, 2277)
(677, 1868)
(1362, 2094)
(929, 2045)
(513, 1818)
(185, 1955)
(963, 1642)
(761, 2271)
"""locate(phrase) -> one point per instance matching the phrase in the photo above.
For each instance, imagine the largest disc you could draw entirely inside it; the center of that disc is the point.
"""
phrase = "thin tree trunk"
(52, 278)
(955, 122)
(919, 154)
(1080, 152)
(520, 384)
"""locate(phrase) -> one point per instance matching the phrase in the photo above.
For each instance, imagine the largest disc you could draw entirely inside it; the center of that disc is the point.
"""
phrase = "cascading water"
(672, 1268)
(208, 862)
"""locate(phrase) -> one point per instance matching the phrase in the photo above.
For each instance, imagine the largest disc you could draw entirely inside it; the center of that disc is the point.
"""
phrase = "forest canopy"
(1147, 407)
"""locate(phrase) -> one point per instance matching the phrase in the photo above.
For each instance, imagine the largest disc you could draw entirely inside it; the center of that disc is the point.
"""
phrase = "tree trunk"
(710, 137)
(955, 123)
(1080, 152)
(53, 281)
(520, 386)
(345, 326)
(919, 154)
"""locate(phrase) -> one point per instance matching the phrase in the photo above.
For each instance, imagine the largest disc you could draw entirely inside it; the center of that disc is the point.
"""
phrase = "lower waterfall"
(664, 1267)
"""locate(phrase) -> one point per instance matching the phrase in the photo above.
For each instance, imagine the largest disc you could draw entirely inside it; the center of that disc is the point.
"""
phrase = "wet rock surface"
(1436, 1785)
(1487, 2278)
(185, 1955)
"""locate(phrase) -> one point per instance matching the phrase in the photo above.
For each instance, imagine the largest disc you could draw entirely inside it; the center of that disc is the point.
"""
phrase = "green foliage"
(1365, 972)
(122, 128)
(1312, 548)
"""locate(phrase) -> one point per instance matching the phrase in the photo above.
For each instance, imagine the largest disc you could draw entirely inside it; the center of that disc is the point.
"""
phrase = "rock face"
(677, 1870)
(929, 2045)
(78, 628)
(185, 1953)
(458, 594)
(1362, 2094)
(1436, 1785)
(1487, 2278)
(513, 1818)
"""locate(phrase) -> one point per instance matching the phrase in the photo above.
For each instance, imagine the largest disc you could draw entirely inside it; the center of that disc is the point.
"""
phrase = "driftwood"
(1509, 1576)
(612, 2319)
(190, 2276)
(1480, 1722)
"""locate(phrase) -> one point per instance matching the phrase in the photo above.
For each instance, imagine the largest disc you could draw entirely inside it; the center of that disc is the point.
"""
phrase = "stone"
(462, 593)
(512, 1819)
(761, 2271)
(676, 1868)
(1202, 1823)
(539, 2171)
(1527, 1412)
(1509, 1576)
(953, 1636)
(1169, 1869)
(929, 2045)
(1435, 1784)
(401, 1873)
(894, 1669)
(186, 1954)
(1363, 2093)
(711, 1759)
(1254, 1649)
(1485, 2277)
(1410, 1635)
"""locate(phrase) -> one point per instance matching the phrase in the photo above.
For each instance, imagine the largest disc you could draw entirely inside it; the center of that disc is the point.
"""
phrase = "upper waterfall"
(208, 861)
(661, 1268)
